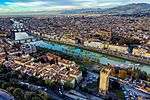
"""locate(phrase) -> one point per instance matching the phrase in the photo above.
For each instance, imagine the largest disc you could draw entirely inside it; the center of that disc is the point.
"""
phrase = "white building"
(28, 48)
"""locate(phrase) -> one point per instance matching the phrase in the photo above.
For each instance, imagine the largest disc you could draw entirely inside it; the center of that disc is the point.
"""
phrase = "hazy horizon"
(17, 6)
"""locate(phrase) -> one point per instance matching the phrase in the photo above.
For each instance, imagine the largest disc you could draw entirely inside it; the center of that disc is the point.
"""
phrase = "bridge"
(22, 36)
(28, 40)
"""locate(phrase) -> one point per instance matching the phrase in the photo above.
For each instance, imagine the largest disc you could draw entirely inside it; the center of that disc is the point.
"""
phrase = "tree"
(35, 98)
(17, 92)
(115, 85)
(1, 82)
(143, 75)
(32, 96)
(32, 79)
(43, 95)
(19, 54)
(83, 69)
(11, 89)
(3, 69)
(68, 85)
(121, 41)
(27, 96)
(49, 82)
(5, 85)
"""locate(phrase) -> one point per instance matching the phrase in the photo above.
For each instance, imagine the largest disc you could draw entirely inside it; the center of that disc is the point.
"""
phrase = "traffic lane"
(139, 93)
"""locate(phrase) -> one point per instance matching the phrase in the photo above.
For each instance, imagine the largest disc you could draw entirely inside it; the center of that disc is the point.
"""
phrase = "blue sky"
(52, 5)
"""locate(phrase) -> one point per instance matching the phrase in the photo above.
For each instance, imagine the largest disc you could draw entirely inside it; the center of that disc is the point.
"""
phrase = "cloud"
(60, 7)
(41, 5)
(22, 4)
(108, 4)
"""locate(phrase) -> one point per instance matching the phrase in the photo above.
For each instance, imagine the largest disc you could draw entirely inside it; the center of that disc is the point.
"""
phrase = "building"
(28, 48)
(104, 80)
(96, 44)
(123, 49)
(122, 74)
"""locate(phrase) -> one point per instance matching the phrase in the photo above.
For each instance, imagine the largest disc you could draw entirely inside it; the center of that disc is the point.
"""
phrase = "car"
(59, 89)
(21, 83)
(127, 99)
(131, 93)
(90, 82)
(123, 88)
(124, 92)
(45, 89)
(27, 83)
(135, 94)
(132, 98)
(126, 96)
(42, 88)
(29, 86)
(94, 77)
(39, 87)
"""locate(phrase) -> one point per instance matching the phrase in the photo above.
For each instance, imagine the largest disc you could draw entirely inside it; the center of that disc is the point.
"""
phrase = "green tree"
(17, 92)
(27, 96)
(1, 82)
(143, 75)
(32, 79)
(5, 85)
(35, 98)
(11, 89)
(3, 68)
(43, 95)
(49, 82)
(68, 85)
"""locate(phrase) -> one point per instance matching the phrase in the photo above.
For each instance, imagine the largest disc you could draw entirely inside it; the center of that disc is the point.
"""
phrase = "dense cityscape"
(89, 56)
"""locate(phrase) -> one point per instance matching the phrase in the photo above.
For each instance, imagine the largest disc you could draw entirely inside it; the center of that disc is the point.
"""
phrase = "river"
(104, 59)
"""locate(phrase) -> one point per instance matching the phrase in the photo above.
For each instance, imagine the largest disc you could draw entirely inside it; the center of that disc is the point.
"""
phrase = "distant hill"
(82, 11)
(134, 8)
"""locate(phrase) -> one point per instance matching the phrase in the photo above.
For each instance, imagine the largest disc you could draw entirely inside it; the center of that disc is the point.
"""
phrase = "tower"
(104, 80)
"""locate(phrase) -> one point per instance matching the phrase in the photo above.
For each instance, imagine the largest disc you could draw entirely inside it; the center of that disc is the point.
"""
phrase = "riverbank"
(79, 60)
(105, 52)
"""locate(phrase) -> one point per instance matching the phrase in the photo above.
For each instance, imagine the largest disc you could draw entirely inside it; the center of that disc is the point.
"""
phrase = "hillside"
(134, 8)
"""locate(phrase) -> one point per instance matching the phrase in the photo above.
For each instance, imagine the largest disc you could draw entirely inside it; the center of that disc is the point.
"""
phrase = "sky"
(7, 6)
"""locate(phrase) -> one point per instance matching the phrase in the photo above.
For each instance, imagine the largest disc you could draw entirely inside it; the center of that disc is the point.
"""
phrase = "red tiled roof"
(49, 58)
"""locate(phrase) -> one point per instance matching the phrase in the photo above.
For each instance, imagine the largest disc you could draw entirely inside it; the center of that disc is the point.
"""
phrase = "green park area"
(92, 85)
(120, 94)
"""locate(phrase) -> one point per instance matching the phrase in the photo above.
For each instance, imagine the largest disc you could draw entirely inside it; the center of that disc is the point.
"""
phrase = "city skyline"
(100, 52)
(7, 6)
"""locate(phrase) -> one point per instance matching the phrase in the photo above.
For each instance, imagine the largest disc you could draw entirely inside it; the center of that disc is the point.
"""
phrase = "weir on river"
(104, 59)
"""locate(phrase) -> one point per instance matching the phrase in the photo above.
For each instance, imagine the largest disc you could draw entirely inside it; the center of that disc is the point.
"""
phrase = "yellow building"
(122, 74)
(104, 80)
(141, 52)
(94, 44)
(147, 54)
(118, 48)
